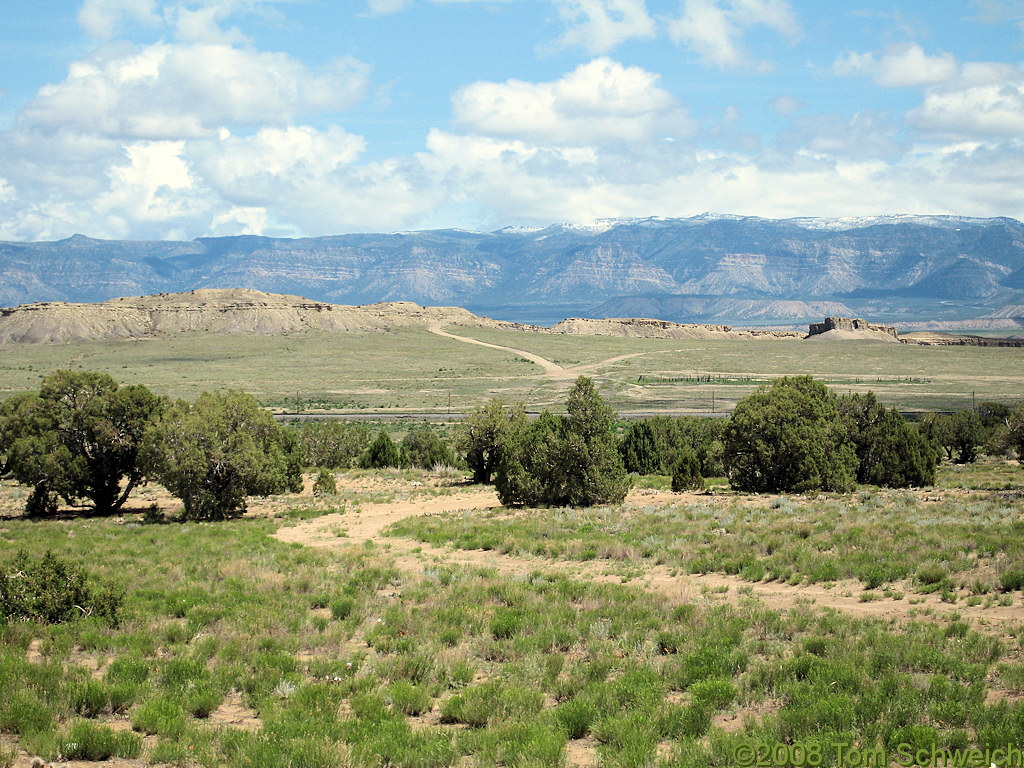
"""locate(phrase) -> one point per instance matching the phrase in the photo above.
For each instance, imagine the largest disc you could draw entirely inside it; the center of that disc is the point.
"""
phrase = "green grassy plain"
(547, 648)
(416, 371)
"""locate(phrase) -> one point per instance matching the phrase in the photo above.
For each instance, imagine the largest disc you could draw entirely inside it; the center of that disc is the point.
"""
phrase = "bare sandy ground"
(370, 521)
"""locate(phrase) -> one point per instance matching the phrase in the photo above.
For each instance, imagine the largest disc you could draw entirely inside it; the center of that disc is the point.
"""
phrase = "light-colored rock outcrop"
(248, 311)
(842, 328)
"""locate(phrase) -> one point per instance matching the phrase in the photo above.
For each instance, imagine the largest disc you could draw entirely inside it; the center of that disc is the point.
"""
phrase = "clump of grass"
(506, 623)
(409, 699)
(342, 608)
(89, 741)
(491, 702)
(25, 712)
(88, 698)
(164, 716)
(1012, 579)
(575, 717)
(717, 694)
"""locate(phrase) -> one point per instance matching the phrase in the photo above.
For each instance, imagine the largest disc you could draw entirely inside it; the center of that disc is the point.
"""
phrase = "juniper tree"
(788, 437)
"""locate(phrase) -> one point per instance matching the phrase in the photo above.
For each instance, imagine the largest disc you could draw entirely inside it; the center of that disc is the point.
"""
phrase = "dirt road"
(371, 520)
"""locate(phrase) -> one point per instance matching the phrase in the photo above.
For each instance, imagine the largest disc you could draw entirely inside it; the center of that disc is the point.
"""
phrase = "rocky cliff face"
(213, 311)
(255, 312)
(705, 269)
(841, 327)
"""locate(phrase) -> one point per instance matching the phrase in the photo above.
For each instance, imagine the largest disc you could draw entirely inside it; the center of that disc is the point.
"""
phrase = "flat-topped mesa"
(854, 326)
(639, 327)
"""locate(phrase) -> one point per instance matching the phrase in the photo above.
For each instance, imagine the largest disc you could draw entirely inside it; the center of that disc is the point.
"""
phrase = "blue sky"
(145, 119)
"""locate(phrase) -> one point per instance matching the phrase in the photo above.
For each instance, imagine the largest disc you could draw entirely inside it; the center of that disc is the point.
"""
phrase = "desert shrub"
(215, 452)
(568, 460)
(425, 448)
(382, 453)
(42, 502)
(958, 434)
(703, 436)
(639, 449)
(78, 438)
(890, 451)
(52, 590)
(967, 435)
(333, 444)
(1015, 431)
(325, 484)
(686, 474)
(788, 437)
(483, 435)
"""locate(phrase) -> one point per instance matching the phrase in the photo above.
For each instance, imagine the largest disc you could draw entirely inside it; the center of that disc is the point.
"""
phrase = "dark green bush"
(325, 484)
(789, 437)
(51, 590)
(382, 453)
(639, 449)
(213, 453)
(890, 451)
(686, 474)
(569, 460)
(331, 444)
(78, 438)
(426, 449)
(1011, 579)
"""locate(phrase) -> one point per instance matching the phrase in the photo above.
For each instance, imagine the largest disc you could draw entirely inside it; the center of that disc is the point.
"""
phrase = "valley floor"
(410, 620)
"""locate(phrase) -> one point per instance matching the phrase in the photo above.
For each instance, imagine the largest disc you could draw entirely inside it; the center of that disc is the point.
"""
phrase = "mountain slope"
(700, 269)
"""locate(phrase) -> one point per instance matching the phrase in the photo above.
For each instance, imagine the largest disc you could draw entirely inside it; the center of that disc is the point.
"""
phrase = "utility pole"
(449, 402)
(712, 401)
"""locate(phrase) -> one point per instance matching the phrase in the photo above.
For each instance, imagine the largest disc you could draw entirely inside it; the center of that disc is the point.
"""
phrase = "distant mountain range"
(709, 268)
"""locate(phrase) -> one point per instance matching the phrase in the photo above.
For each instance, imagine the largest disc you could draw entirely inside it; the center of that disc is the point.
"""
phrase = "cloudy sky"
(146, 119)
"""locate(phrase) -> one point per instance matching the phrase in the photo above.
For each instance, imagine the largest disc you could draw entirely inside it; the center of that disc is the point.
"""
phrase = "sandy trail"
(550, 368)
(407, 554)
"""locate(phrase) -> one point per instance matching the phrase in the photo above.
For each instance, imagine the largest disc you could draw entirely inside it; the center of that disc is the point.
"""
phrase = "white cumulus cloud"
(600, 102)
(601, 25)
(980, 109)
(106, 18)
(900, 65)
(979, 100)
(714, 29)
(168, 91)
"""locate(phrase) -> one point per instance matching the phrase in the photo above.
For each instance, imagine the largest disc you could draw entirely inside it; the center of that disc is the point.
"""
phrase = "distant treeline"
(84, 438)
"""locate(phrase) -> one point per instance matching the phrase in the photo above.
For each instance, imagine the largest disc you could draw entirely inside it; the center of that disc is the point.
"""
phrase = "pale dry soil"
(367, 504)
(551, 369)
(368, 522)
